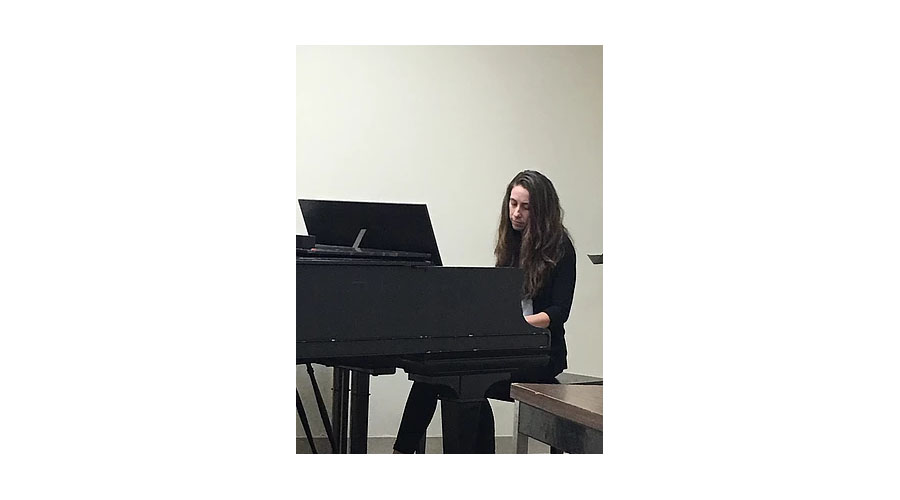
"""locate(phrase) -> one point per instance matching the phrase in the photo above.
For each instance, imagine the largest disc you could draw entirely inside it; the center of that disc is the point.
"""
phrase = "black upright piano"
(368, 311)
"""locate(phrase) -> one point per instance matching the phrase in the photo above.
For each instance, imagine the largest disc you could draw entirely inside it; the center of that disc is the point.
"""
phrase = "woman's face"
(518, 208)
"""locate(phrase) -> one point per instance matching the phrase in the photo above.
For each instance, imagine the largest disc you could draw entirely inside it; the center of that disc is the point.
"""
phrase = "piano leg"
(486, 442)
(359, 411)
(339, 407)
(467, 425)
(457, 417)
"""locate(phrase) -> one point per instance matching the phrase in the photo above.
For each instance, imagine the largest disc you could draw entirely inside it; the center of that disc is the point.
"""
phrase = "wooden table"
(567, 417)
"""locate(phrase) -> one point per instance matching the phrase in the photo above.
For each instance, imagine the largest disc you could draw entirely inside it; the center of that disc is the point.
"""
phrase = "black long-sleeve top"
(555, 299)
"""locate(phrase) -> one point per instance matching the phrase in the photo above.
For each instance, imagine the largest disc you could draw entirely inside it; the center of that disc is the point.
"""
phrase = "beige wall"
(449, 127)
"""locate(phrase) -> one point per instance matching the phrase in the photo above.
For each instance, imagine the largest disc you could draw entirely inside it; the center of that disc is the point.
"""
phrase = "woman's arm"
(563, 288)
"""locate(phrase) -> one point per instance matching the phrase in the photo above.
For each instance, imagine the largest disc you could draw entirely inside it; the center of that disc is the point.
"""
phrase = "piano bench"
(576, 379)
(563, 378)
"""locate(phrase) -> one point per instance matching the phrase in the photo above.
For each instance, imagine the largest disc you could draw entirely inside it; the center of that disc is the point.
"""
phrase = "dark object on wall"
(596, 258)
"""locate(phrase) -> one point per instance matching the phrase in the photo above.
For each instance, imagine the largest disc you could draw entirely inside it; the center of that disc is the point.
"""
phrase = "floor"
(384, 445)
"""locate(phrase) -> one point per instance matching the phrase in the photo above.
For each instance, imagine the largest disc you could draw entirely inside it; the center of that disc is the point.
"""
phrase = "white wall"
(449, 127)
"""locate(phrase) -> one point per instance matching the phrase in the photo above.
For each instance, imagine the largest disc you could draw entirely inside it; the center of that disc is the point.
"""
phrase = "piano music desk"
(567, 417)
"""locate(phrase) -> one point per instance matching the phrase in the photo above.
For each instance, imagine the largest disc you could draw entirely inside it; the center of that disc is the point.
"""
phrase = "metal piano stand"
(322, 412)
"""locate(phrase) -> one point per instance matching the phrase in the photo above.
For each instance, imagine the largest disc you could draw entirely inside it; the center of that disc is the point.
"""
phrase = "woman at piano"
(531, 236)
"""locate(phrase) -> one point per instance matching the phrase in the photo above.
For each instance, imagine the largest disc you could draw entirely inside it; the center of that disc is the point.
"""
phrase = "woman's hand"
(540, 320)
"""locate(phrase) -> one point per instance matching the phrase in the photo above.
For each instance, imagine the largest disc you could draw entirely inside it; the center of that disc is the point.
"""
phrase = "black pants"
(422, 401)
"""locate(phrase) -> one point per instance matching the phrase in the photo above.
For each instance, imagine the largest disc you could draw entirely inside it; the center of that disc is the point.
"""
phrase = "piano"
(367, 311)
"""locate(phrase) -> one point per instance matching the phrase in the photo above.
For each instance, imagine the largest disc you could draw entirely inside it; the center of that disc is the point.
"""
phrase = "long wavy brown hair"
(540, 246)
